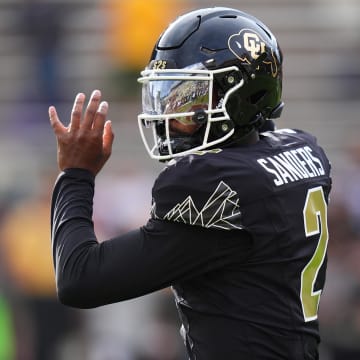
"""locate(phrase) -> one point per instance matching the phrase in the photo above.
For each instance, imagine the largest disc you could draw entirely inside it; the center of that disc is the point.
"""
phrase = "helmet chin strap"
(276, 112)
(260, 123)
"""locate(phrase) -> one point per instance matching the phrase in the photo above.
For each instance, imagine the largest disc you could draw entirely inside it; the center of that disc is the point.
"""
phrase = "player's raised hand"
(86, 142)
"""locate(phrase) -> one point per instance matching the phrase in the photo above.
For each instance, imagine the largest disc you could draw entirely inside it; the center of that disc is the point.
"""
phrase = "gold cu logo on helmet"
(247, 46)
(254, 45)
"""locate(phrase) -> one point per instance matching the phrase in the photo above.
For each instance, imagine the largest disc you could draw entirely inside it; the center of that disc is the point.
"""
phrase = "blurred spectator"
(42, 323)
(42, 24)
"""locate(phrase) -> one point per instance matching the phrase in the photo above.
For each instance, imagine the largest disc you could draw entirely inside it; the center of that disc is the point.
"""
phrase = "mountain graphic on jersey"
(220, 211)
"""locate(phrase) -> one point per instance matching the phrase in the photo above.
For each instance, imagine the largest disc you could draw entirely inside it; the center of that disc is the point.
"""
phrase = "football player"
(238, 223)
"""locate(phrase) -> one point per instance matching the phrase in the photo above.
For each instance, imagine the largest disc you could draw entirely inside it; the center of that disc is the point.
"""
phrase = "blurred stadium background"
(52, 49)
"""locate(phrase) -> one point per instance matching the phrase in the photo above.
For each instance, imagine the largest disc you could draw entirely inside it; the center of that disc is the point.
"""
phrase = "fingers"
(76, 112)
(100, 117)
(94, 117)
(92, 110)
(87, 142)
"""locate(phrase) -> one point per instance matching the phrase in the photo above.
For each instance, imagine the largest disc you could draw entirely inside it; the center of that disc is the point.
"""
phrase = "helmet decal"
(159, 65)
(248, 45)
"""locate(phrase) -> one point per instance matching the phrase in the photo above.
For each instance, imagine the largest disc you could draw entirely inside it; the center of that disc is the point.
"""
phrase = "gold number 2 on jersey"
(315, 222)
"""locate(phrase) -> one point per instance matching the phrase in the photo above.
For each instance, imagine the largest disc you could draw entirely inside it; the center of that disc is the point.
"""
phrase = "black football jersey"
(263, 305)
(240, 233)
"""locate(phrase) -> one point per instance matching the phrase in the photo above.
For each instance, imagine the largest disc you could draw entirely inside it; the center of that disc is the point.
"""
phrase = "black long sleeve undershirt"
(91, 273)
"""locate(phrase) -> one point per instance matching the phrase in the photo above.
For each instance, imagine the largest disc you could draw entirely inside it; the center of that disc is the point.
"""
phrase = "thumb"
(55, 122)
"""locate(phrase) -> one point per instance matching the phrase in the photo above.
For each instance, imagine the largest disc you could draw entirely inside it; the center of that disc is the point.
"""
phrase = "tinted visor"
(180, 98)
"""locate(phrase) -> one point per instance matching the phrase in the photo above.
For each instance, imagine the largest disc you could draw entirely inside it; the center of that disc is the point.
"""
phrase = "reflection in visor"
(162, 97)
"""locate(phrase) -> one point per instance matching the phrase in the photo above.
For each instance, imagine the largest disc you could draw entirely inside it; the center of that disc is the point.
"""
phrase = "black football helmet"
(214, 76)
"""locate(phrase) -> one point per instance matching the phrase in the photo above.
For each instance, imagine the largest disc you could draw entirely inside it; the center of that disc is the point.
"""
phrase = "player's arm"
(89, 273)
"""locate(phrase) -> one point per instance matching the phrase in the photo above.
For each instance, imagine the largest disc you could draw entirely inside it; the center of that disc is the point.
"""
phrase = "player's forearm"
(73, 237)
